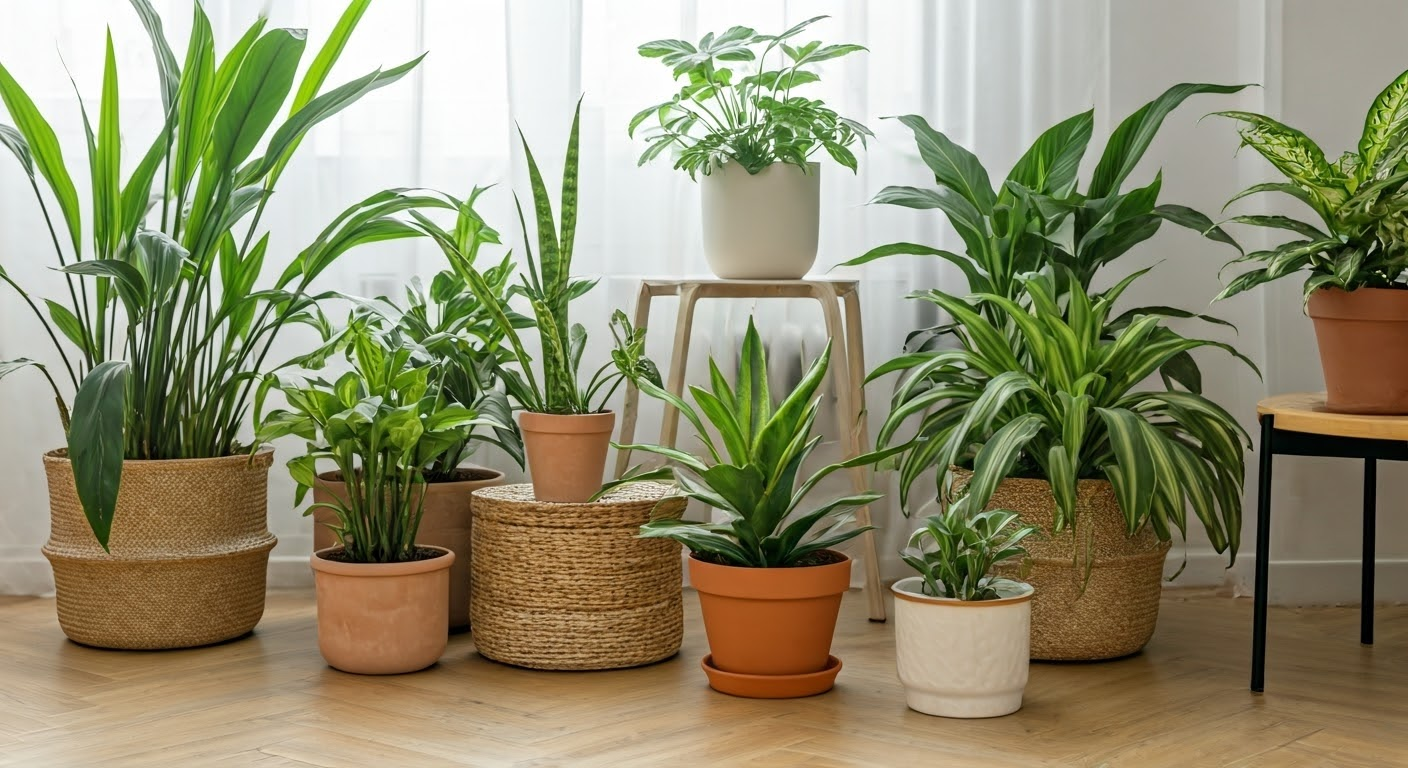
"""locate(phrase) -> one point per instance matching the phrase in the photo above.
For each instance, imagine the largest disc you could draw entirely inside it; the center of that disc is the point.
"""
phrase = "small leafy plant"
(1361, 237)
(957, 549)
(381, 424)
(755, 120)
(753, 475)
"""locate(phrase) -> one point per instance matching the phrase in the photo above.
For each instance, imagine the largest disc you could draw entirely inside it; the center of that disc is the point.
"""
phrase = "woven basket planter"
(1116, 612)
(569, 586)
(188, 553)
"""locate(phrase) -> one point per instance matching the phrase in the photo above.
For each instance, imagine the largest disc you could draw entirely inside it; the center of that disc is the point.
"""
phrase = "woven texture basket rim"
(512, 493)
(261, 456)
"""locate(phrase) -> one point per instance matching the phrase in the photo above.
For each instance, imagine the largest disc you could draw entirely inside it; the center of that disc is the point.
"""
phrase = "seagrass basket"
(1114, 612)
(569, 586)
(187, 558)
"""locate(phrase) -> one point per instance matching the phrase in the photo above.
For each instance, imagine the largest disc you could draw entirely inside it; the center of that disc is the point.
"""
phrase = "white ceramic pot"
(761, 226)
(962, 659)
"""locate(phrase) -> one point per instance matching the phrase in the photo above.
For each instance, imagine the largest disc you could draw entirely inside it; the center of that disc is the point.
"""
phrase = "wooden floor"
(268, 700)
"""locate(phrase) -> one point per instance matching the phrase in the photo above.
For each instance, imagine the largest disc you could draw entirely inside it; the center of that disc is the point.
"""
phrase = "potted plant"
(1353, 254)
(769, 588)
(752, 138)
(159, 536)
(963, 634)
(466, 349)
(381, 595)
(566, 427)
(1030, 349)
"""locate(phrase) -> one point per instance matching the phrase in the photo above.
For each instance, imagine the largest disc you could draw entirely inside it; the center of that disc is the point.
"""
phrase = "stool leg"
(631, 409)
(1263, 546)
(855, 351)
(1366, 593)
(679, 359)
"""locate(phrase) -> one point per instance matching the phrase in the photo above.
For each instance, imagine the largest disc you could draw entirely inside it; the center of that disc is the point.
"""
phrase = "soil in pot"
(1362, 335)
(566, 453)
(761, 226)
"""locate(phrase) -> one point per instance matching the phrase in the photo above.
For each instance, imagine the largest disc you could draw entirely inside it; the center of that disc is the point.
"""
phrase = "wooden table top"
(1305, 412)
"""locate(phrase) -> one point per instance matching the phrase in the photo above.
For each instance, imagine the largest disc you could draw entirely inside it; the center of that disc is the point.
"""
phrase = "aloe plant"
(161, 331)
(751, 119)
(955, 551)
(754, 474)
(1359, 238)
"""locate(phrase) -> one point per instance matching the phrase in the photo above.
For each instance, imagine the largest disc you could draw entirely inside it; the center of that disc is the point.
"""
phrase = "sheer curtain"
(990, 74)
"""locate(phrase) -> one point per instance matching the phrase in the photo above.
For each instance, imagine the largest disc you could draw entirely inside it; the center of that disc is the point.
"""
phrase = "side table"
(847, 374)
(1299, 425)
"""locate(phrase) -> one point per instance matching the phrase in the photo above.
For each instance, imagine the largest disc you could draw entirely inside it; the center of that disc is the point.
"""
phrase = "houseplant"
(1042, 220)
(1353, 252)
(159, 537)
(769, 589)
(753, 140)
(466, 349)
(566, 428)
(381, 595)
(963, 634)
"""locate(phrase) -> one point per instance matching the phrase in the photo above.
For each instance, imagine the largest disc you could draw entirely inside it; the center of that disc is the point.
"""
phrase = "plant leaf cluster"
(956, 550)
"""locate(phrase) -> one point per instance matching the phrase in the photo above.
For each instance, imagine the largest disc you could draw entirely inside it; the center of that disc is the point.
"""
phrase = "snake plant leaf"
(256, 94)
(954, 167)
(43, 149)
(95, 442)
(754, 398)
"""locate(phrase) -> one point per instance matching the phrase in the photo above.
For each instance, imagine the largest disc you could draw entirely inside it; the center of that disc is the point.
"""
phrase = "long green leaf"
(95, 443)
(258, 92)
(953, 166)
(45, 151)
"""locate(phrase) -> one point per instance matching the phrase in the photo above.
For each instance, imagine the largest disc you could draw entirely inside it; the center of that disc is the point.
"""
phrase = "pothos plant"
(1359, 238)
(161, 329)
(752, 118)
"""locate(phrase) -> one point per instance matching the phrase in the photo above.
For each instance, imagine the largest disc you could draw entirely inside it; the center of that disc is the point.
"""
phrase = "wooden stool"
(847, 374)
(1299, 425)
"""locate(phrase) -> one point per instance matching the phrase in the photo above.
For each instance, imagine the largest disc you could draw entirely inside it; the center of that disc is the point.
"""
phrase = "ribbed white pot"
(761, 226)
(962, 659)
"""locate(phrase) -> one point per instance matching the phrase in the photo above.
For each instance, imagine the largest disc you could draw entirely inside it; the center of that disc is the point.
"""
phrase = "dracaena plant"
(957, 549)
(753, 475)
(747, 117)
(1359, 236)
(1072, 407)
(1038, 217)
(380, 424)
(161, 329)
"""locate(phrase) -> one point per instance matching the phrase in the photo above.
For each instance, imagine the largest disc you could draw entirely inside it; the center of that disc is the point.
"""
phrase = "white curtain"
(990, 73)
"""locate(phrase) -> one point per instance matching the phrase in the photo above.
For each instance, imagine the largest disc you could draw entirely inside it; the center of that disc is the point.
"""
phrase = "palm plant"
(956, 550)
(1360, 239)
(163, 330)
(753, 476)
(754, 121)
(1069, 407)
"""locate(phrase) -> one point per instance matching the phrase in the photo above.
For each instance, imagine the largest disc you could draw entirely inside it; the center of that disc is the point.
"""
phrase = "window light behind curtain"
(990, 73)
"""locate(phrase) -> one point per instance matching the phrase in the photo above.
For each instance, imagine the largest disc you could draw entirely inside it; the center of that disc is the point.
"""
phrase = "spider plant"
(957, 549)
(1359, 238)
(753, 475)
(753, 120)
(161, 330)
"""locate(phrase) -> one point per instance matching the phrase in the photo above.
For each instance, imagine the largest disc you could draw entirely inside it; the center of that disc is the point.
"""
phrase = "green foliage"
(1059, 396)
(956, 551)
(753, 120)
(752, 477)
(1360, 238)
(380, 423)
(163, 330)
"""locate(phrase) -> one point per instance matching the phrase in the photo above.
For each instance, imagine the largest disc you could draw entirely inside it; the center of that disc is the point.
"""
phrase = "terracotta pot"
(1363, 336)
(962, 659)
(1115, 611)
(761, 226)
(187, 559)
(566, 453)
(382, 618)
(445, 522)
(770, 621)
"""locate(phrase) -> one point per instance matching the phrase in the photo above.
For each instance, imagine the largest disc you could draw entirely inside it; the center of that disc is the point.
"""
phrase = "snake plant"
(1360, 236)
(161, 330)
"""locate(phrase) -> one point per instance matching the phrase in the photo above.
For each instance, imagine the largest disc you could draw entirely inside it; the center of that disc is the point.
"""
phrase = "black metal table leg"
(1263, 546)
(1366, 593)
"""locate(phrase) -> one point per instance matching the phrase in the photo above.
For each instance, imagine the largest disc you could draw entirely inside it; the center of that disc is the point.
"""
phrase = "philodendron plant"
(380, 424)
(956, 550)
(725, 116)
(161, 331)
(1360, 238)
(754, 474)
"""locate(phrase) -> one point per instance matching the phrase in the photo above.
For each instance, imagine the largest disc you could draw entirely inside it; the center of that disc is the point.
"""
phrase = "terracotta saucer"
(771, 686)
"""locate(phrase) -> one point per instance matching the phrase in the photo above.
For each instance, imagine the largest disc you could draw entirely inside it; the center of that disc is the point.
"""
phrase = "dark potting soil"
(461, 475)
(417, 554)
(824, 557)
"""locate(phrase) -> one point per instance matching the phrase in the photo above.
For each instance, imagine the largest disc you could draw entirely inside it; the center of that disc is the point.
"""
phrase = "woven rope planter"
(569, 586)
(1116, 613)
(188, 553)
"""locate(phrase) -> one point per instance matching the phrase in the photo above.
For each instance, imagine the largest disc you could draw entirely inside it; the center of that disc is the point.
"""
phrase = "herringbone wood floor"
(268, 700)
